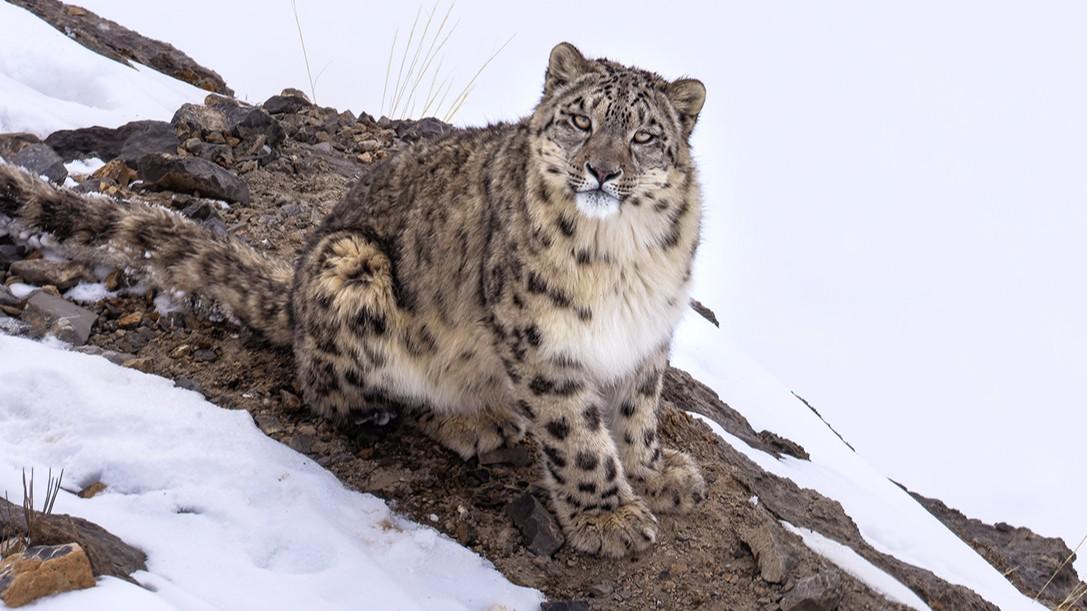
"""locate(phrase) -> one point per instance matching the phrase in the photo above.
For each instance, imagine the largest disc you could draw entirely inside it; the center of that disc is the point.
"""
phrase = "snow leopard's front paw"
(674, 486)
(613, 533)
(472, 434)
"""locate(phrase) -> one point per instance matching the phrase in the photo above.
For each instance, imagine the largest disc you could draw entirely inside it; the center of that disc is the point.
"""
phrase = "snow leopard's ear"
(687, 97)
(565, 65)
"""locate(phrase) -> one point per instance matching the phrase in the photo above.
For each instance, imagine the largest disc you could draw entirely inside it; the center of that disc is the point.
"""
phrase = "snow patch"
(229, 518)
(853, 563)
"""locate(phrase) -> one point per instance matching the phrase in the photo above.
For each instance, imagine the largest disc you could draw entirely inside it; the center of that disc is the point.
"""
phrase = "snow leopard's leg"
(668, 479)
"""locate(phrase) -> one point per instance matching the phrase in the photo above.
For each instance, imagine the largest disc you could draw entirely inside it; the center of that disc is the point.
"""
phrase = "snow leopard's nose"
(603, 172)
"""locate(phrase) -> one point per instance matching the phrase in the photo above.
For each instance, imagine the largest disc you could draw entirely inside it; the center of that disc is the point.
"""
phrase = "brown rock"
(116, 171)
(131, 320)
(772, 555)
(92, 490)
(61, 274)
(43, 571)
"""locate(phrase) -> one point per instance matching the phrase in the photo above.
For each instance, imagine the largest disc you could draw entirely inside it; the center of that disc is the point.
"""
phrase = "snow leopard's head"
(611, 136)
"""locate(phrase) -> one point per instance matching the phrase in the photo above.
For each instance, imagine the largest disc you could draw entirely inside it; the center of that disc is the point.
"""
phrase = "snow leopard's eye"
(643, 137)
(581, 122)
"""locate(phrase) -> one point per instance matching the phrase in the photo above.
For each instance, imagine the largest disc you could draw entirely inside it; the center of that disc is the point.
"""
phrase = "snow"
(856, 565)
(228, 517)
(50, 82)
(888, 518)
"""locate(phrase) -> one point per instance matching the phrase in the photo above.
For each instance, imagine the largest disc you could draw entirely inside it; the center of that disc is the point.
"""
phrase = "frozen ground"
(229, 518)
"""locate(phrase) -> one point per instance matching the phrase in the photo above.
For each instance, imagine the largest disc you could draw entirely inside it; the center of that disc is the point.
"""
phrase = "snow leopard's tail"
(178, 253)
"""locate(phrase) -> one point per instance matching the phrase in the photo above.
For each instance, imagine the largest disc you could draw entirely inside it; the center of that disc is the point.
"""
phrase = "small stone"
(366, 157)
(289, 401)
(541, 532)
(113, 280)
(130, 321)
(302, 442)
(773, 557)
(139, 364)
(117, 172)
(92, 490)
(819, 592)
(117, 358)
(564, 605)
(139, 338)
(189, 384)
(43, 571)
(268, 423)
(7, 298)
(205, 355)
(181, 351)
(516, 456)
(47, 313)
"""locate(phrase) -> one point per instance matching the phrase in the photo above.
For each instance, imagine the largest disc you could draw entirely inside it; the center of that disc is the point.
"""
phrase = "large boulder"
(130, 142)
(193, 175)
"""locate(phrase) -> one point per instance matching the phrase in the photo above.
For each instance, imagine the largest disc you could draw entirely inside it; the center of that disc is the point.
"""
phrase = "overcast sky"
(896, 198)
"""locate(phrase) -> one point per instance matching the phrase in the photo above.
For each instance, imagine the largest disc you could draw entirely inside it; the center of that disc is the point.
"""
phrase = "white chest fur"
(633, 314)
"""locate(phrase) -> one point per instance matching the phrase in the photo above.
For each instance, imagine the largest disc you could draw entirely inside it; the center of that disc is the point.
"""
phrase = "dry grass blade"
(1062, 565)
(389, 69)
(52, 488)
(432, 53)
(1073, 597)
(459, 100)
(404, 57)
(305, 55)
(414, 61)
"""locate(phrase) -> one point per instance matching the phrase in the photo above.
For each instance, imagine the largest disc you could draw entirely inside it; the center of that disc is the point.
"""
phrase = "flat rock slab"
(46, 313)
(61, 274)
(193, 175)
(541, 531)
(27, 151)
(129, 142)
(43, 571)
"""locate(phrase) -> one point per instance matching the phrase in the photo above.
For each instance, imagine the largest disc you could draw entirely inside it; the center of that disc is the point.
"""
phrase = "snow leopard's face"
(610, 135)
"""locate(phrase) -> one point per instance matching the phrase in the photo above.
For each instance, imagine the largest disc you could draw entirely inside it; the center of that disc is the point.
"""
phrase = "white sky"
(895, 198)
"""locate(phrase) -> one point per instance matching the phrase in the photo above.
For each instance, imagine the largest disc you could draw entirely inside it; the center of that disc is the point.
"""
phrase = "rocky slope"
(279, 168)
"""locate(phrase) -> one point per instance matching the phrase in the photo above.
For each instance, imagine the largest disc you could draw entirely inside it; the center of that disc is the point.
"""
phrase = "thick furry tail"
(178, 253)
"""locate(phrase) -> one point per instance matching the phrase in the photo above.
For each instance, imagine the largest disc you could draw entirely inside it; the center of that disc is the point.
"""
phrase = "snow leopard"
(524, 277)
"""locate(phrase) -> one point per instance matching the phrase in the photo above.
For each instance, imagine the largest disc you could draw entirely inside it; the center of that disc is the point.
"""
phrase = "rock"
(61, 274)
(196, 121)
(246, 122)
(291, 100)
(117, 358)
(193, 175)
(121, 44)
(129, 142)
(200, 210)
(42, 161)
(516, 456)
(564, 605)
(47, 313)
(415, 130)
(109, 555)
(116, 172)
(205, 355)
(268, 423)
(42, 571)
(820, 592)
(541, 532)
(131, 320)
(92, 490)
(139, 338)
(11, 144)
(7, 298)
(139, 363)
(289, 401)
(705, 312)
(1026, 559)
(774, 558)
(302, 442)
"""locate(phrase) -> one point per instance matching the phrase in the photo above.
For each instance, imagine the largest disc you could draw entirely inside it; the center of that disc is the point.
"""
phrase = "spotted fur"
(520, 277)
